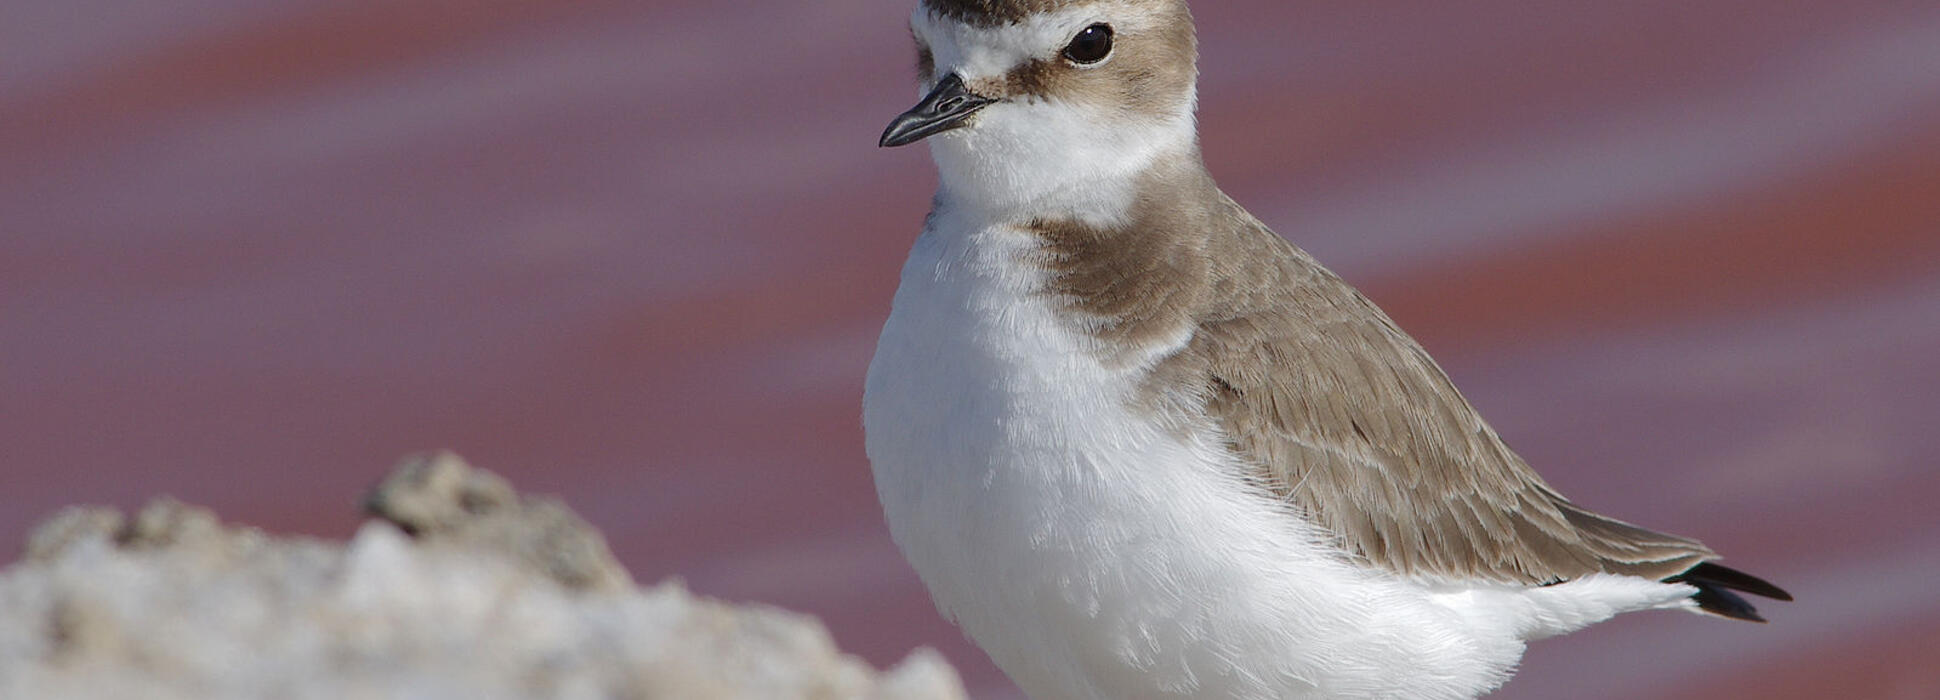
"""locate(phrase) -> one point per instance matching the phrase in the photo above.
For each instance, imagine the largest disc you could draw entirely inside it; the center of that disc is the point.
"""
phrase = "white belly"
(1095, 554)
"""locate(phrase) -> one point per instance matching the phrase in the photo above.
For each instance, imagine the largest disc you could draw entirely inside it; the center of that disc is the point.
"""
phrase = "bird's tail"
(1718, 586)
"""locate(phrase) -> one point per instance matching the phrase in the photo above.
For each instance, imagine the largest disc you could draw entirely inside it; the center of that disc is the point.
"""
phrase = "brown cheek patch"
(1038, 79)
(1153, 72)
(1148, 74)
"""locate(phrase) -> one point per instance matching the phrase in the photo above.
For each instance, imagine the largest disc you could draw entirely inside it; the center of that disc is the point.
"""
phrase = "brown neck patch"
(1143, 282)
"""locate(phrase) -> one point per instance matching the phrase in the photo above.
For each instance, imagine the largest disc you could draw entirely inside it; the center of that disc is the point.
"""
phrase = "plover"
(1137, 445)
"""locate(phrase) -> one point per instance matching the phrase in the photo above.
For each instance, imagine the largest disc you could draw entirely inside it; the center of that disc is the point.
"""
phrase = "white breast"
(1094, 554)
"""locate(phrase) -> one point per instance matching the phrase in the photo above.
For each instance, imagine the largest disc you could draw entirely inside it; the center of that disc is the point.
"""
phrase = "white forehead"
(982, 52)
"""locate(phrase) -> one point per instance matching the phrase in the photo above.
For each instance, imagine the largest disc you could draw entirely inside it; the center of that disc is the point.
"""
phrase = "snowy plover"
(1139, 446)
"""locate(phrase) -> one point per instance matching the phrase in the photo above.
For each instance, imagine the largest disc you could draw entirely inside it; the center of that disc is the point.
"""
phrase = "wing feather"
(1346, 418)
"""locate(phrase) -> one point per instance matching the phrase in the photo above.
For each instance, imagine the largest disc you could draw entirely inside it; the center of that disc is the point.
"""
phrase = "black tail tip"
(1716, 585)
(1723, 603)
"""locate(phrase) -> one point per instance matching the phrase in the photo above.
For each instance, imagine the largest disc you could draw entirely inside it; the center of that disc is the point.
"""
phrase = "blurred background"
(1685, 256)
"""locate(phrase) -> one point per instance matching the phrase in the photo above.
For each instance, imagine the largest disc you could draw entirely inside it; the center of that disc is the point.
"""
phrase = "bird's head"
(1024, 99)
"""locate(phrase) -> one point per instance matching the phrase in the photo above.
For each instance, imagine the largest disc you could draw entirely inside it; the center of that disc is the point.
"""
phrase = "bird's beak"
(945, 108)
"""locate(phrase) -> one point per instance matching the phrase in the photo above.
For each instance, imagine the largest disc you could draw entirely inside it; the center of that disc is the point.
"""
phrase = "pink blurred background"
(1686, 256)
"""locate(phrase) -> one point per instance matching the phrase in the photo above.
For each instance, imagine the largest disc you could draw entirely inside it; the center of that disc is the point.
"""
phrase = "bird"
(1137, 445)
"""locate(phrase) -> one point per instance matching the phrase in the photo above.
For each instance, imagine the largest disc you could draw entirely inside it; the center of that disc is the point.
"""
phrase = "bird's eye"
(1091, 45)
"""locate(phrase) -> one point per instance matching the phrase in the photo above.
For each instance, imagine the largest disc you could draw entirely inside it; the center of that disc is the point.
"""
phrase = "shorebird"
(1137, 445)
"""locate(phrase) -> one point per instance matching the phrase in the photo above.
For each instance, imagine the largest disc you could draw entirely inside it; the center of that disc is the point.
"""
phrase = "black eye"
(1091, 45)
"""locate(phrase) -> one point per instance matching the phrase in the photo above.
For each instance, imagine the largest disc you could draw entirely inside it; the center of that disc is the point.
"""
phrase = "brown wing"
(1347, 418)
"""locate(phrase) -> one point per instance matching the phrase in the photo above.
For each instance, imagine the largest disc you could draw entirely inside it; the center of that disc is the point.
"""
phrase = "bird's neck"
(1125, 259)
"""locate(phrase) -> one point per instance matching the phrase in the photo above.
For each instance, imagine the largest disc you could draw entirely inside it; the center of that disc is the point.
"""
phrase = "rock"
(443, 501)
(451, 596)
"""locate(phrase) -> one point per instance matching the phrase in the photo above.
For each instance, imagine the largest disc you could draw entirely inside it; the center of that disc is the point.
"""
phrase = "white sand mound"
(465, 590)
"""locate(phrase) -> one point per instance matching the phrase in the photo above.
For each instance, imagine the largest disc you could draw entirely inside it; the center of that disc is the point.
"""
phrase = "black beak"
(943, 109)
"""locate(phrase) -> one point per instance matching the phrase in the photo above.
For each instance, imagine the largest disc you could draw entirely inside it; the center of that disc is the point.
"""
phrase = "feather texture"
(1338, 412)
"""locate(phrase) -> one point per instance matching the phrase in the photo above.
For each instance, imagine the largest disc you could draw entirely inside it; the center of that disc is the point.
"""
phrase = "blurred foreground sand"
(489, 595)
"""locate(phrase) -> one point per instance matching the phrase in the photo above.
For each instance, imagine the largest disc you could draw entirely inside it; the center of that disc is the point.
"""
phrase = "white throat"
(1050, 159)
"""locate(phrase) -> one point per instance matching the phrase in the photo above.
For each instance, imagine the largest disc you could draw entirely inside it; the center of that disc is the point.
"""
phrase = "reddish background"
(1685, 255)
